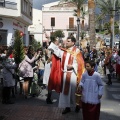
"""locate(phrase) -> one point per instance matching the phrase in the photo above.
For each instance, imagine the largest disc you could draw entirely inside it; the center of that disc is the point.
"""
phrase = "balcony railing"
(8, 4)
(71, 28)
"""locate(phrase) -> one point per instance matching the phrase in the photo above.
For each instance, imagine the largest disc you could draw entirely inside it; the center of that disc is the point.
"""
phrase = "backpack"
(22, 68)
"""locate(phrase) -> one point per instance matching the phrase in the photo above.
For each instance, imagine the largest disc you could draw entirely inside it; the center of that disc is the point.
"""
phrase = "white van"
(107, 41)
(116, 44)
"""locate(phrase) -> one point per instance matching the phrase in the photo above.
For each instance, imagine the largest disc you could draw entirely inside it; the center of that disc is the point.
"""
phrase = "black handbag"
(111, 69)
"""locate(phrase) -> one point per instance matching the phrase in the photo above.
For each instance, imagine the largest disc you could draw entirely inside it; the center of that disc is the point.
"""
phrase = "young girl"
(92, 91)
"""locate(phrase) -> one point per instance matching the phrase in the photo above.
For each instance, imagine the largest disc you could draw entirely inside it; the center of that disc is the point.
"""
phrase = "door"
(3, 37)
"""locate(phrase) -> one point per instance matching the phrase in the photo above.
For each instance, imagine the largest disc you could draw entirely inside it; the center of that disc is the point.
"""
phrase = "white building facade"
(36, 29)
(15, 15)
(56, 16)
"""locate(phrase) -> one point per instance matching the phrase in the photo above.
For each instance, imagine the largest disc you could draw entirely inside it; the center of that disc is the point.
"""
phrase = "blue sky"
(42, 2)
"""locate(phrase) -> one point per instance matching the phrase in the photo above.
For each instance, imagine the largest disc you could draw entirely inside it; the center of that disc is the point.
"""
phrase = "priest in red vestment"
(72, 68)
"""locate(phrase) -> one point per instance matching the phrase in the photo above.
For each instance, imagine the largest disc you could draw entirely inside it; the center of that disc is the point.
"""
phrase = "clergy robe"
(46, 73)
(92, 86)
(67, 100)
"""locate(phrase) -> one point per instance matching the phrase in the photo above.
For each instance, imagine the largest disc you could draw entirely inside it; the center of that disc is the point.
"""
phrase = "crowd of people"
(64, 69)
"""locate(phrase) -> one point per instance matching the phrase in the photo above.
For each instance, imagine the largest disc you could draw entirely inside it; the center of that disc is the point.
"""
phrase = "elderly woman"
(8, 79)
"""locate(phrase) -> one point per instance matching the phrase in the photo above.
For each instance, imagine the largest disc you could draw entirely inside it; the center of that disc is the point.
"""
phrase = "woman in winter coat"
(8, 79)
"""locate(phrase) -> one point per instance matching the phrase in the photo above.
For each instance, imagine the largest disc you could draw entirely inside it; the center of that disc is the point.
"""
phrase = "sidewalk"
(37, 109)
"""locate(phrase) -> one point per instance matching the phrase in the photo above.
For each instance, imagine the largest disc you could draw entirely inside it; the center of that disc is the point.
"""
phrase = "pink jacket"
(29, 69)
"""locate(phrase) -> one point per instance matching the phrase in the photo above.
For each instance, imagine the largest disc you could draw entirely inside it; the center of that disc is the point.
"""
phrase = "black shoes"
(4, 102)
(109, 83)
(13, 96)
(10, 102)
(7, 102)
(26, 97)
(66, 110)
(49, 101)
(77, 109)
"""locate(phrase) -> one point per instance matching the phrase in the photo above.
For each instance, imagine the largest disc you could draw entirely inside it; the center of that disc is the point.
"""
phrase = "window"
(30, 11)
(2, 3)
(71, 22)
(25, 6)
(52, 21)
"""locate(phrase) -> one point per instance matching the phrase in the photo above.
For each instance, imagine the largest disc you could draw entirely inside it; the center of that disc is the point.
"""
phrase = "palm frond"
(105, 6)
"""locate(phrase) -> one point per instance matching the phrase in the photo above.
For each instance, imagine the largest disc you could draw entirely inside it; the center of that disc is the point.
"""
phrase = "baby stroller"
(35, 88)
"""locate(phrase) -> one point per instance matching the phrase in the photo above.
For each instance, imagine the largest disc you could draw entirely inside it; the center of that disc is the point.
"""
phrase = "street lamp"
(119, 23)
(113, 32)
(78, 31)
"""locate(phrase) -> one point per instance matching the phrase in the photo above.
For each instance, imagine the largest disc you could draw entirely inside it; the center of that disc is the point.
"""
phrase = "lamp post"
(113, 35)
(78, 32)
(119, 23)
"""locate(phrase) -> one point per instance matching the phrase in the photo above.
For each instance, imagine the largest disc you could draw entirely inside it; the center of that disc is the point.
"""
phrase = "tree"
(79, 5)
(57, 33)
(91, 9)
(83, 13)
(35, 44)
(107, 9)
(18, 47)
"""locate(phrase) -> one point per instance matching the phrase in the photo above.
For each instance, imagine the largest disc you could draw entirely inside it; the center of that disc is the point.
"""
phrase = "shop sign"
(17, 25)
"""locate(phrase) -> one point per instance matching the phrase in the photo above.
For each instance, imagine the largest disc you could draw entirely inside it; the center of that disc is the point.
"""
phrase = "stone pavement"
(37, 109)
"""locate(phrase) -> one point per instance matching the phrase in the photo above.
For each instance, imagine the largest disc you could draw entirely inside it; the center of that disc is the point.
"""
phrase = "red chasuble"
(80, 69)
(56, 75)
(55, 82)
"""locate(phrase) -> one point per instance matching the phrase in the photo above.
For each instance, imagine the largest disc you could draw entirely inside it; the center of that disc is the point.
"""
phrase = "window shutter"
(52, 21)
(71, 22)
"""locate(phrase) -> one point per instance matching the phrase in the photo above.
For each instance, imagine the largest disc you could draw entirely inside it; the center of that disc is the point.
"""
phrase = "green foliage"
(58, 33)
(18, 47)
(35, 44)
(52, 37)
(107, 6)
(107, 27)
(117, 31)
(101, 32)
(82, 34)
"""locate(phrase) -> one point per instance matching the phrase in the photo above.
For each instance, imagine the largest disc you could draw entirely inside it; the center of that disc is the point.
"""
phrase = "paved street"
(37, 109)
